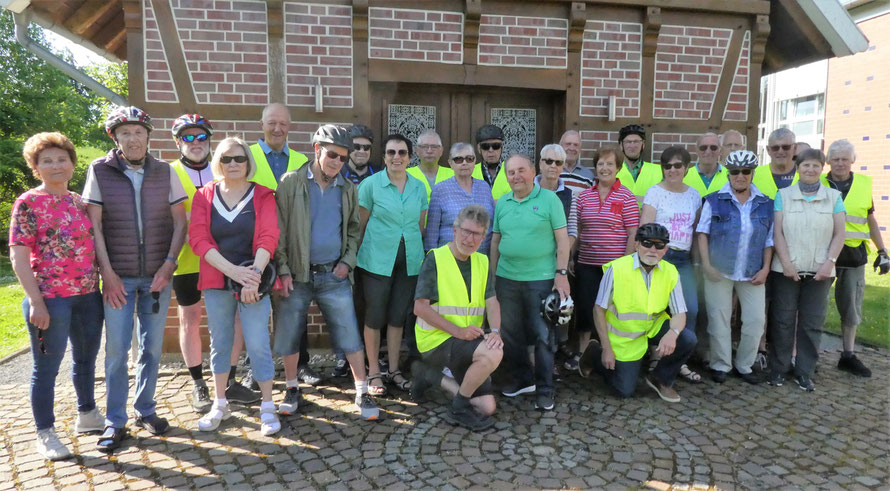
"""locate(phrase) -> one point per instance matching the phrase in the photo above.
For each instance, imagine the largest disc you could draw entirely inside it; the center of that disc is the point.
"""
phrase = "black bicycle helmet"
(333, 134)
(653, 231)
(631, 129)
(361, 131)
(267, 280)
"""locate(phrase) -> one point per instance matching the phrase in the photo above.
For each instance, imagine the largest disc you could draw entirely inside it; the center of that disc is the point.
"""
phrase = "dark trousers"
(798, 310)
(588, 278)
(523, 326)
(623, 379)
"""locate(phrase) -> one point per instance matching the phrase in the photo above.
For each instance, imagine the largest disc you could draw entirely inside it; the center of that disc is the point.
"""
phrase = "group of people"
(475, 257)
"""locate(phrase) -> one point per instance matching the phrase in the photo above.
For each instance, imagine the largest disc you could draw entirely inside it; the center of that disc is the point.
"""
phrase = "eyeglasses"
(191, 138)
(653, 243)
(490, 146)
(358, 147)
(428, 146)
(552, 162)
(775, 148)
(334, 155)
(470, 233)
(228, 159)
(675, 165)
(735, 172)
(402, 152)
(713, 148)
(461, 159)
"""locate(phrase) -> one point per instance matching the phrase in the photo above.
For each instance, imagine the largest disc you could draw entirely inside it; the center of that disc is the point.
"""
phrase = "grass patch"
(13, 333)
(875, 327)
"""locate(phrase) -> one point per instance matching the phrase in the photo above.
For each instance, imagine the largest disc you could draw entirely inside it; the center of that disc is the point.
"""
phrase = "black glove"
(882, 262)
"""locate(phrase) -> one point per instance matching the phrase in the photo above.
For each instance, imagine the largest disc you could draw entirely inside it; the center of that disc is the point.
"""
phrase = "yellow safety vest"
(500, 186)
(649, 176)
(453, 303)
(263, 175)
(188, 261)
(857, 203)
(766, 183)
(694, 180)
(441, 174)
(635, 312)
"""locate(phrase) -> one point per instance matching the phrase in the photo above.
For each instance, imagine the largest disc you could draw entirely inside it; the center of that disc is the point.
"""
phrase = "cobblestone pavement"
(727, 436)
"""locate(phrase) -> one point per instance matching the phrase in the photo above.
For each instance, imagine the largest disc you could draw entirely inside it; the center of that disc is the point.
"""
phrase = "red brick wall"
(538, 42)
(158, 79)
(610, 65)
(318, 43)
(858, 109)
(419, 35)
(660, 141)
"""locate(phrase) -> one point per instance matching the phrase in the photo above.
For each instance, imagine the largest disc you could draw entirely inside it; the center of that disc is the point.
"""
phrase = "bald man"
(575, 176)
(271, 153)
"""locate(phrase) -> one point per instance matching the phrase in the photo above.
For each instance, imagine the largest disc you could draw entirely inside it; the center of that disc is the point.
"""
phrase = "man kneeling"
(454, 289)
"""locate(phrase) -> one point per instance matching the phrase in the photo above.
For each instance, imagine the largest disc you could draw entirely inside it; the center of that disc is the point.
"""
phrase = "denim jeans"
(523, 326)
(221, 306)
(683, 262)
(334, 298)
(623, 379)
(119, 335)
(78, 318)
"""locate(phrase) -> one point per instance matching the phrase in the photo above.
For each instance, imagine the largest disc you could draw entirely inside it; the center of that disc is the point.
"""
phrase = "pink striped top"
(601, 226)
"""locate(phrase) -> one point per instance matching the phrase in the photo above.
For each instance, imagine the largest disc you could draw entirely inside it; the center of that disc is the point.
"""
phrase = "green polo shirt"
(527, 251)
(394, 215)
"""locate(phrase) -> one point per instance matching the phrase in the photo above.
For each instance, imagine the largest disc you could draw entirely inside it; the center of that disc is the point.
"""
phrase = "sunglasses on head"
(675, 165)
(358, 147)
(402, 152)
(552, 162)
(735, 172)
(650, 243)
(713, 148)
(461, 160)
(334, 155)
(228, 159)
(775, 148)
(190, 138)
(490, 146)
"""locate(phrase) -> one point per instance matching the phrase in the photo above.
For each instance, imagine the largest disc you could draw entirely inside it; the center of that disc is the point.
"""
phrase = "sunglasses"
(650, 243)
(552, 162)
(401, 152)
(461, 160)
(713, 148)
(775, 148)
(228, 159)
(490, 146)
(358, 148)
(675, 165)
(735, 172)
(42, 344)
(191, 138)
(334, 156)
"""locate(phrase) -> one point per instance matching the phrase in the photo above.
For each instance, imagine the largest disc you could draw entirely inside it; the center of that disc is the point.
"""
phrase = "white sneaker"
(49, 446)
(89, 421)
(269, 424)
(216, 415)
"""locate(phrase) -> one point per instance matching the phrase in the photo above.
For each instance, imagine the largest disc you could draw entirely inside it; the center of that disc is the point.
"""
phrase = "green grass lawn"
(13, 333)
(875, 327)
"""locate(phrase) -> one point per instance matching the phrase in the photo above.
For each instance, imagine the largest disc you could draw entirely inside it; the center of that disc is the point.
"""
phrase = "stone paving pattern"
(720, 436)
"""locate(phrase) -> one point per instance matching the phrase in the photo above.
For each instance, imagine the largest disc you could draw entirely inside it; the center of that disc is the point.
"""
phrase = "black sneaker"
(749, 377)
(291, 402)
(155, 424)
(514, 389)
(239, 394)
(341, 369)
(718, 377)
(468, 418)
(804, 382)
(201, 397)
(308, 376)
(776, 379)
(249, 382)
(544, 402)
(572, 362)
(852, 365)
(424, 378)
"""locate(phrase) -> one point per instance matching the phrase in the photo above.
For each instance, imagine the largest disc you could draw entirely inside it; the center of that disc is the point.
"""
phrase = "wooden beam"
(721, 96)
(88, 14)
(245, 112)
(361, 89)
(733, 6)
(116, 42)
(472, 14)
(277, 57)
(135, 52)
(175, 57)
(109, 31)
(651, 28)
(759, 36)
(577, 22)
(588, 123)
(423, 72)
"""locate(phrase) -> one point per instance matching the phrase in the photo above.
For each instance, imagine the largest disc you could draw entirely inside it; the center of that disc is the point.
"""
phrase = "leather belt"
(323, 268)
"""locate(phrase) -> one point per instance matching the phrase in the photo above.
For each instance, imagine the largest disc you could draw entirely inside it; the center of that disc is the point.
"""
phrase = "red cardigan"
(265, 234)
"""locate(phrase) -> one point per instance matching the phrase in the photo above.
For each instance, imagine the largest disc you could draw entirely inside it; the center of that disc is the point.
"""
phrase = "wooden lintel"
(175, 57)
(422, 72)
(88, 14)
(472, 15)
(758, 39)
(577, 22)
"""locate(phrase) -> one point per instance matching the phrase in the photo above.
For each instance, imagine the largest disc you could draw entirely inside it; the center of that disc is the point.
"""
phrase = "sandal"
(111, 439)
(689, 375)
(404, 384)
(376, 390)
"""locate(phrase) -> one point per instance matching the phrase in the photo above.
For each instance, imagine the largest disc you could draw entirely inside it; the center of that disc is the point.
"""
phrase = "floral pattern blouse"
(60, 236)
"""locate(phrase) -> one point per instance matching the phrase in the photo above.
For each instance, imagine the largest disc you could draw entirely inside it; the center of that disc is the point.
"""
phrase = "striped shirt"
(446, 201)
(676, 301)
(601, 226)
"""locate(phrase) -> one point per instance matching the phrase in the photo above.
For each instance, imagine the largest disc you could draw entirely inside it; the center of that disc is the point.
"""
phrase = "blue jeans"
(119, 335)
(623, 379)
(334, 298)
(78, 318)
(221, 306)
(683, 262)
(523, 326)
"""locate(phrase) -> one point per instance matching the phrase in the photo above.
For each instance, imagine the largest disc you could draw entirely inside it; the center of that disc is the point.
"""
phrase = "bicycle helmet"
(557, 311)
(361, 131)
(631, 129)
(489, 132)
(333, 134)
(652, 231)
(187, 121)
(126, 115)
(267, 280)
(741, 159)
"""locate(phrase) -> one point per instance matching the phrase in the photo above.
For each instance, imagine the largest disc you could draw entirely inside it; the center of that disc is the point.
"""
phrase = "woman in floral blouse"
(52, 253)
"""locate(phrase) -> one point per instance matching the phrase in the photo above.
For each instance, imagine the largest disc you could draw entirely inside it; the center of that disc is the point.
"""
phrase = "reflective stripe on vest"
(857, 204)
(453, 303)
(264, 175)
(650, 175)
(188, 261)
(636, 313)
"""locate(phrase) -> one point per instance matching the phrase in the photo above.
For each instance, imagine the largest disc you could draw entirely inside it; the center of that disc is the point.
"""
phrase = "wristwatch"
(562, 271)
(676, 331)
(833, 259)
(496, 331)
(172, 260)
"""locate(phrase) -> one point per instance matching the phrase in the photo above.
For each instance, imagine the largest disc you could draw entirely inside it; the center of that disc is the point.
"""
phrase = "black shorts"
(388, 299)
(186, 288)
(457, 355)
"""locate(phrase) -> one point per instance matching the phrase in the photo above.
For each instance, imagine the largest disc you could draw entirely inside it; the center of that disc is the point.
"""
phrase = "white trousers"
(718, 298)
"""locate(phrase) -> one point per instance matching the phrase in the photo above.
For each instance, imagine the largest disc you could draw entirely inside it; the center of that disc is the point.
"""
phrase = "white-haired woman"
(553, 159)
